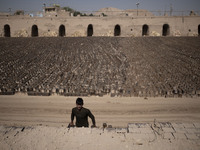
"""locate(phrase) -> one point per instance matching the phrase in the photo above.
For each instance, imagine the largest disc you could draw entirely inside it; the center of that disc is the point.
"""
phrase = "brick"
(121, 130)
(188, 125)
(110, 130)
(140, 136)
(146, 130)
(192, 136)
(2, 129)
(179, 135)
(168, 130)
(168, 136)
(139, 125)
(139, 128)
(134, 130)
(197, 125)
(197, 131)
(179, 130)
(132, 125)
(191, 130)
(178, 125)
(143, 125)
(165, 124)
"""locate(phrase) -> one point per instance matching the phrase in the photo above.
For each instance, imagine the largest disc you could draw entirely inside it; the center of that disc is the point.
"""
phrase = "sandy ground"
(45, 120)
(118, 112)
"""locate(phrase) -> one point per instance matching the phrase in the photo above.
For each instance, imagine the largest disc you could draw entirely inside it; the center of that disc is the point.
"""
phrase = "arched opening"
(199, 30)
(117, 30)
(62, 30)
(145, 30)
(34, 31)
(7, 30)
(166, 30)
(90, 30)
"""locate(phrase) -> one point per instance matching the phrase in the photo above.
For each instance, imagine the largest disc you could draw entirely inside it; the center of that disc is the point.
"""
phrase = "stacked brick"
(153, 66)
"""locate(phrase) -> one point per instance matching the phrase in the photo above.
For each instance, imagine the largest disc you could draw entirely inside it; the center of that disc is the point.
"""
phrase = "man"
(81, 115)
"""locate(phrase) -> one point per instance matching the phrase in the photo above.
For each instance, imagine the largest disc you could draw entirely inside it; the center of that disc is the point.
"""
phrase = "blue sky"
(94, 5)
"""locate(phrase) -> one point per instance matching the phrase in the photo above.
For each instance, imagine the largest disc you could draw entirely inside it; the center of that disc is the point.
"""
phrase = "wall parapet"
(102, 26)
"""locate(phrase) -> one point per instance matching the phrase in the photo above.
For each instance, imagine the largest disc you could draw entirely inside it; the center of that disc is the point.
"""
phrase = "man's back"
(82, 116)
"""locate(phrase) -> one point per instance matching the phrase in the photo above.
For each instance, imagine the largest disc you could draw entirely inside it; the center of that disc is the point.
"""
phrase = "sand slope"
(118, 112)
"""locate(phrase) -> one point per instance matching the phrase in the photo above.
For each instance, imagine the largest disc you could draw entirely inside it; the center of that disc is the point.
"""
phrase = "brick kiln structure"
(150, 66)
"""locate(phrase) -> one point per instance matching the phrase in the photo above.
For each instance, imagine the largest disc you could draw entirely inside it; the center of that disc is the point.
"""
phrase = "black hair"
(79, 101)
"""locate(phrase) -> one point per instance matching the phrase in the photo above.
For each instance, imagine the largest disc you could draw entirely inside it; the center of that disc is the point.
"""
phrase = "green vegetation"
(76, 13)
(56, 5)
(104, 14)
(19, 12)
(68, 9)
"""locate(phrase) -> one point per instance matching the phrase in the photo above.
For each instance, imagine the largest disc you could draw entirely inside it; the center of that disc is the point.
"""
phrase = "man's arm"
(92, 117)
(72, 118)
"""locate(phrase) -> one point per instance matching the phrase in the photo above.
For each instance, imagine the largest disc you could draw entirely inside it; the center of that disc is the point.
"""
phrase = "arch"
(117, 31)
(6, 30)
(199, 30)
(166, 30)
(62, 30)
(34, 31)
(90, 30)
(145, 30)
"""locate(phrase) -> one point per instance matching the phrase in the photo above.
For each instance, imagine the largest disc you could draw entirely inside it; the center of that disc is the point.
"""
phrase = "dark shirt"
(82, 117)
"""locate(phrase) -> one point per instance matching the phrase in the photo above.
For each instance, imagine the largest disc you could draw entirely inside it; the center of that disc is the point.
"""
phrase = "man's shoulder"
(74, 108)
(83, 109)
(86, 109)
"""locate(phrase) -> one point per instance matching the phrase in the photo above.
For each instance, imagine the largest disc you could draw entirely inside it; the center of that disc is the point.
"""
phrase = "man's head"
(79, 103)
